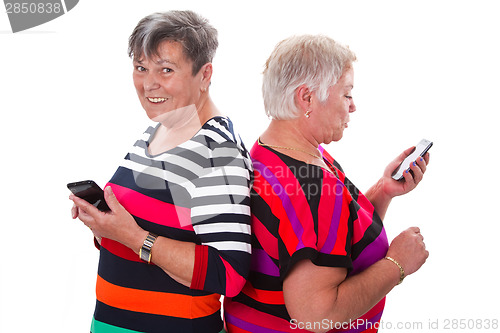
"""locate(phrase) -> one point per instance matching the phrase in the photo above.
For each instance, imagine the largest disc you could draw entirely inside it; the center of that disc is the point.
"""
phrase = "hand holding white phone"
(419, 151)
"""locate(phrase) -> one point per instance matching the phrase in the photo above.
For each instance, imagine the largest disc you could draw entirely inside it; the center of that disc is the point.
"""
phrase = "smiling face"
(333, 114)
(165, 82)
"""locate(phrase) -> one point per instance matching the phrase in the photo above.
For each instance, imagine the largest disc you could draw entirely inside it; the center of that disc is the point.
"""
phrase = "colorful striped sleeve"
(220, 212)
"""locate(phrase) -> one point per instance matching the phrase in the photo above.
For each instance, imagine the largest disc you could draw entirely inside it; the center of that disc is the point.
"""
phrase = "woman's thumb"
(110, 198)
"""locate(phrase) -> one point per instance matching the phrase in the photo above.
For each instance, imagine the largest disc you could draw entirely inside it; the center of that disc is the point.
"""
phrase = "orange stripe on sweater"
(153, 302)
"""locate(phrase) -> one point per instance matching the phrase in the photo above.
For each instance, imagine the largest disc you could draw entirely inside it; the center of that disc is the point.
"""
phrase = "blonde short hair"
(313, 60)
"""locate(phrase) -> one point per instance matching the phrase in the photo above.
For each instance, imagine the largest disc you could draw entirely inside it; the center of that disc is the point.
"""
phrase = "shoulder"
(220, 130)
(283, 166)
(220, 140)
(287, 176)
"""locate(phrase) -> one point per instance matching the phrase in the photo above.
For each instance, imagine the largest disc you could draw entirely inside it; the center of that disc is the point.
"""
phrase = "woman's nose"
(151, 82)
(352, 106)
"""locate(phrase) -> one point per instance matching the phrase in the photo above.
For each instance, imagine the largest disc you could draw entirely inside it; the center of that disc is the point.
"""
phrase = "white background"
(426, 69)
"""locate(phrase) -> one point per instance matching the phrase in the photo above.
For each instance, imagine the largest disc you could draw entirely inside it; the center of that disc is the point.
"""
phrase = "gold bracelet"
(401, 270)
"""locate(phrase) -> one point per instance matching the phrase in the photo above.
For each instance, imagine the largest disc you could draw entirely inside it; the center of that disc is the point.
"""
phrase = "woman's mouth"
(156, 100)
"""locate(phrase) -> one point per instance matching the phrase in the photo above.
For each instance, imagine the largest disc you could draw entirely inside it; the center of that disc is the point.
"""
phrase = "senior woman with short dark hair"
(178, 233)
(320, 255)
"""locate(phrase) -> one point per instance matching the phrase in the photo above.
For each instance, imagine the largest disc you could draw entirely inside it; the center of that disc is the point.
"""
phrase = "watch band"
(145, 250)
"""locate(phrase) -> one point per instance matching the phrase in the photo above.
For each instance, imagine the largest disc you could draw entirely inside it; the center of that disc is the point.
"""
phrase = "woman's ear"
(303, 98)
(206, 76)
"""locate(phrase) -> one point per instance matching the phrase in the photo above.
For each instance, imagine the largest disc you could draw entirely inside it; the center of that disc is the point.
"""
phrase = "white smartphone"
(420, 150)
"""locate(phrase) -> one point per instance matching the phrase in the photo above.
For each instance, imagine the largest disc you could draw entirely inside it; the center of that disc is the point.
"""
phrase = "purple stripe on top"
(262, 263)
(247, 326)
(356, 326)
(280, 191)
(334, 225)
(375, 251)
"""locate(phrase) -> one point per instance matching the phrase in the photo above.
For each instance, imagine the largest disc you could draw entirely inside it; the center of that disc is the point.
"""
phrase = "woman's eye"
(140, 68)
(348, 96)
(167, 70)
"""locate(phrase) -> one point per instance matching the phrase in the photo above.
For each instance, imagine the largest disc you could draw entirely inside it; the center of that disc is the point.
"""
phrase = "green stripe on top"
(100, 327)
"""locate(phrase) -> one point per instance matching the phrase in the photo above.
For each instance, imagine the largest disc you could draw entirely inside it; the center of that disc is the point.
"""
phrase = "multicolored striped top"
(302, 211)
(196, 192)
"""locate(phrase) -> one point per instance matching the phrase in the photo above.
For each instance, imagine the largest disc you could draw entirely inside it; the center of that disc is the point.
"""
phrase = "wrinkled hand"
(117, 224)
(393, 188)
(408, 248)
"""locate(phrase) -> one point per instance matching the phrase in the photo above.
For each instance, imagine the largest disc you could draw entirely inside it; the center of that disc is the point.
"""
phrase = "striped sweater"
(196, 192)
(301, 211)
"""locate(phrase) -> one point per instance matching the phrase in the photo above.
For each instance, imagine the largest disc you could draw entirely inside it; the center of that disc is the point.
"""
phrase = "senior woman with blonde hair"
(178, 233)
(320, 255)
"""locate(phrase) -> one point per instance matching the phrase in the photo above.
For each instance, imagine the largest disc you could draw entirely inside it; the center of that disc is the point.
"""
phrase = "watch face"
(145, 254)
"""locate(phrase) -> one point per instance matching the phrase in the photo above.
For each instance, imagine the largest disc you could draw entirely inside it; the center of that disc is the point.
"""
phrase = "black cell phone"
(91, 192)
(420, 150)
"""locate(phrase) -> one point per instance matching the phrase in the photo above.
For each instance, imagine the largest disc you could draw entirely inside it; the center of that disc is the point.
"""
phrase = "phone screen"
(91, 192)
(420, 150)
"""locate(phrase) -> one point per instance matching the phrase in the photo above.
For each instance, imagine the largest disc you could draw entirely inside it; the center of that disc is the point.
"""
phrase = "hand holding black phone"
(91, 192)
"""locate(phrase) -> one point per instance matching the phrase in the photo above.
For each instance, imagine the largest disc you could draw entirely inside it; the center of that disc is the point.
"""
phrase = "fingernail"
(421, 159)
(414, 164)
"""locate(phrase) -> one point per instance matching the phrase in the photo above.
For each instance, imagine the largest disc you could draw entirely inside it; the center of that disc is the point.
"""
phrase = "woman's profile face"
(165, 82)
(334, 112)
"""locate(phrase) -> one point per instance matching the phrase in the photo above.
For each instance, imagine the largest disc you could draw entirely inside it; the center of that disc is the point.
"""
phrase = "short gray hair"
(197, 37)
(313, 60)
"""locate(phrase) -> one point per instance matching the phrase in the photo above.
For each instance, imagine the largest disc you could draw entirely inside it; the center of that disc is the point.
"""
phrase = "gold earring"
(308, 113)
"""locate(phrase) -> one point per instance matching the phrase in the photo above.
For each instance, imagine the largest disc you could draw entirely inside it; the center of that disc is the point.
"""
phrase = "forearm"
(378, 198)
(176, 258)
(316, 293)
(361, 292)
(358, 294)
